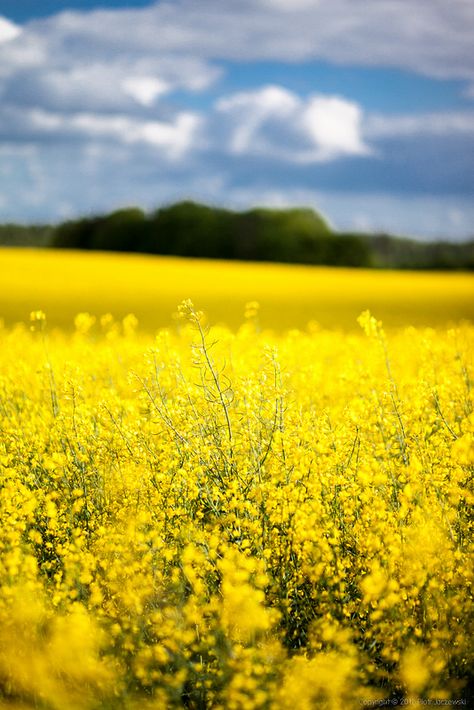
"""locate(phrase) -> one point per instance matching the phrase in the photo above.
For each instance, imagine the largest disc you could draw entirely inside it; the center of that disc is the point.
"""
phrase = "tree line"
(285, 235)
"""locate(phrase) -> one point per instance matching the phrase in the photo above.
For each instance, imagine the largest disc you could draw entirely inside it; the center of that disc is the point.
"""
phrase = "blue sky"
(363, 110)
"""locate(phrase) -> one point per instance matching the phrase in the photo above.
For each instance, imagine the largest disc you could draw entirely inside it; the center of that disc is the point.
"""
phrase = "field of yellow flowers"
(235, 519)
(65, 282)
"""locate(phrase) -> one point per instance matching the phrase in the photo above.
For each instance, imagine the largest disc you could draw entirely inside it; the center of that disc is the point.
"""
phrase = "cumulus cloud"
(249, 111)
(334, 124)
(116, 59)
(276, 122)
(8, 30)
(95, 61)
(145, 89)
(86, 77)
(174, 139)
(428, 36)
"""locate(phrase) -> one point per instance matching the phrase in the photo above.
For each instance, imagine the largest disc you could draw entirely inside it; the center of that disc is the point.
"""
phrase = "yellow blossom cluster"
(234, 519)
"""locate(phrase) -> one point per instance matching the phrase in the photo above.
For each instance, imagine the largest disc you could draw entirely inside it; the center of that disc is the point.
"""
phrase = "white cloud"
(174, 139)
(92, 61)
(440, 124)
(428, 36)
(145, 89)
(8, 30)
(249, 111)
(22, 54)
(290, 5)
(335, 126)
(275, 122)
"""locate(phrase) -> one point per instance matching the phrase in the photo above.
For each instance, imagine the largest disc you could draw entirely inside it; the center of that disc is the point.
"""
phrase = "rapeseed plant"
(238, 519)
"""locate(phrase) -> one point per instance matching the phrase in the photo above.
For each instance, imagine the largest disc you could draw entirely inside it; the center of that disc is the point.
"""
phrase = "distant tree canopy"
(122, 230)
(191, 229)
(20, 235)
(287, 235)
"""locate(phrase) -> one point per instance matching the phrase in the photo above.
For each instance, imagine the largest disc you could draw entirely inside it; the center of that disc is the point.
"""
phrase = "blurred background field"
(65, 282)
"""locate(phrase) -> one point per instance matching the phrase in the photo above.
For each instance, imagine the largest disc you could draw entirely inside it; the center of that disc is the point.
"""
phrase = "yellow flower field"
(235, 518)
(64, 283)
